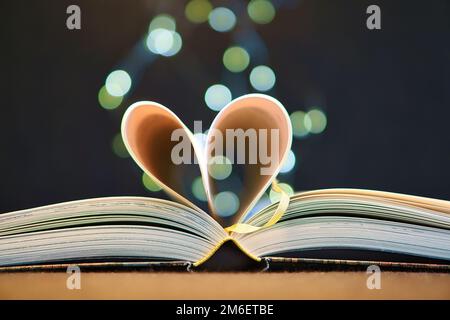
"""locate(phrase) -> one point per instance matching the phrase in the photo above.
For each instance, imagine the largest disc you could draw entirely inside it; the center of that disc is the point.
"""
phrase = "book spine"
(217, 247)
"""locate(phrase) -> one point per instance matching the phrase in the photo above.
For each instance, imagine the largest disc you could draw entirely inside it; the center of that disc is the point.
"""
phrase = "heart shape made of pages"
(254, 124)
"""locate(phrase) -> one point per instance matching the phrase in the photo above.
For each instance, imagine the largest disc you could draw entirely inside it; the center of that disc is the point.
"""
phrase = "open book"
(334, 224)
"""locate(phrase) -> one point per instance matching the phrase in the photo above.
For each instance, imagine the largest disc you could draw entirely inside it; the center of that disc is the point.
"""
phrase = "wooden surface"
(154, 285)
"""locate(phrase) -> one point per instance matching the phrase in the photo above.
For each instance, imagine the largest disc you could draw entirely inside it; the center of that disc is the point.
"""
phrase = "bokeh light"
(236, 59)
(176, 45)
(289, 163)
(162, 21)
(197, 11)
(262, 78)
(222, 19)
(298, 121)
(108, 101)
(198, 190)
(226, 203)
(118, 146)
(149, 184)
(220, 167)
(160, 41)
(275, 196)
(200, 139)
(217, 96)
(118, 83)
(162, 38)
(317, 121)
(261, 11)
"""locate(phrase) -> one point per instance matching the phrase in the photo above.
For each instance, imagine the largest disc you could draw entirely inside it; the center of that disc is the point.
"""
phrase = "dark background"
(385, 93)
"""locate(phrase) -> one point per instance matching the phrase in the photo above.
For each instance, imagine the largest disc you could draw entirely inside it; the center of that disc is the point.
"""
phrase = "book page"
(253, 131)
(147, 131)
